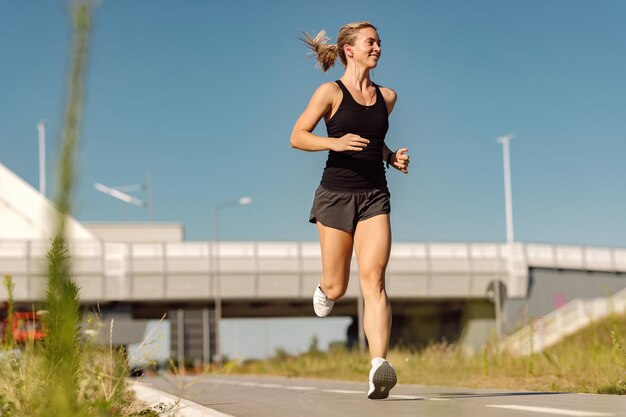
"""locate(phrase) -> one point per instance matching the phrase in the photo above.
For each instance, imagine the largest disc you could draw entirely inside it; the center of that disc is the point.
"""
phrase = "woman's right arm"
(320, 104)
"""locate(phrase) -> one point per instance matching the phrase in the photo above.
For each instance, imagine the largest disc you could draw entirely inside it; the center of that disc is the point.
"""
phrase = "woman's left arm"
(398, 159)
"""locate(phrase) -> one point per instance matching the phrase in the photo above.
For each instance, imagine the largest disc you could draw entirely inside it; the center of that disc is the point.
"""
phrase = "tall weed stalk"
(8, 330)
(62, 341)
(66, 375)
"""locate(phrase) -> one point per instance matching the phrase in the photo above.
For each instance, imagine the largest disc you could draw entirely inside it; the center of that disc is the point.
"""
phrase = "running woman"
(352, 204)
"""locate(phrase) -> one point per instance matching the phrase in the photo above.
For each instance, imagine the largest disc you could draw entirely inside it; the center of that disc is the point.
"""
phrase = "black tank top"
(357, 170)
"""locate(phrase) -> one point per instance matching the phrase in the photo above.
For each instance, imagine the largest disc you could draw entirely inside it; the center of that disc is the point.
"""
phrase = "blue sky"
(204, 94)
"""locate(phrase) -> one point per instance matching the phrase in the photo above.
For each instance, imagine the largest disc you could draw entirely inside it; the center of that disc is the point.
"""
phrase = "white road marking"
(343, 391)
(333, 391)
(224, 381)
(271, 386)
(250, 384)
(550, 410)
(408, 397)
(245, 383)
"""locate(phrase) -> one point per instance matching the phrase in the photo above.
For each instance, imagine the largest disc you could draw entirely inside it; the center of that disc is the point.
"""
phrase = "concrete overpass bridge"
(135, 272)
(437, 289)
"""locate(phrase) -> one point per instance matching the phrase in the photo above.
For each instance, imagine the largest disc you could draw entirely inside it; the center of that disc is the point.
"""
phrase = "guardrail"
(562, 322)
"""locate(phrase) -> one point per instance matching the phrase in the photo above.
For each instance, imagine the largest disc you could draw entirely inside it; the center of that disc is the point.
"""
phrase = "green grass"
(591, 361)
(99, 383)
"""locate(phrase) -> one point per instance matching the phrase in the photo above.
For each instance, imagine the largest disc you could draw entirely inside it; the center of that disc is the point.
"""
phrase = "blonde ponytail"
(325, 54)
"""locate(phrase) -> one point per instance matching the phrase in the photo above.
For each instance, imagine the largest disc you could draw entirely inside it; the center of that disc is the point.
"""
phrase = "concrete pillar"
(193, 335)
(479, 325)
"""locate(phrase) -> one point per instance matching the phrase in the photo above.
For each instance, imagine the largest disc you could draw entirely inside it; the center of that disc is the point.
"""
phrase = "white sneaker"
(382, 379)
(322, 304)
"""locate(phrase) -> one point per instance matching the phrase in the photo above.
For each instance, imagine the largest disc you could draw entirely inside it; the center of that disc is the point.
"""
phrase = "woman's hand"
(349, 142)
(400, 160)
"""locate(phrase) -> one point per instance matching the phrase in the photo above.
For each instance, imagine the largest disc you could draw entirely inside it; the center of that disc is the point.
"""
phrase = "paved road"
(250, 396)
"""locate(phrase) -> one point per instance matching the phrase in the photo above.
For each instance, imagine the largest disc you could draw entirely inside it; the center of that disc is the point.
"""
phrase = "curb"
(182, 407)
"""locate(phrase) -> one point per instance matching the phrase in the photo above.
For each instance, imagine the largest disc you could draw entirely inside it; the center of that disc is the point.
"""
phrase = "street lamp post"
(217, 285)
(121, 192)
(41, 127)
(504, 140)
(508, 203)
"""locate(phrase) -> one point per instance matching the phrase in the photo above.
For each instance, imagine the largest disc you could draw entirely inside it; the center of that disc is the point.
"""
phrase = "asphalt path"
(255, 396)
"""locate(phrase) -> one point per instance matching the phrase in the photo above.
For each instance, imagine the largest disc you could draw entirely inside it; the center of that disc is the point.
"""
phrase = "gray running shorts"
(343, 210)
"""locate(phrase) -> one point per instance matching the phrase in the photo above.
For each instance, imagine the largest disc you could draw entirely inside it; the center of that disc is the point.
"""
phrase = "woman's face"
(366, 49)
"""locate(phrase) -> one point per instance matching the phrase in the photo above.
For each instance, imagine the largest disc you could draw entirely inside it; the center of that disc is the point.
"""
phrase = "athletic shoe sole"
(384, 380)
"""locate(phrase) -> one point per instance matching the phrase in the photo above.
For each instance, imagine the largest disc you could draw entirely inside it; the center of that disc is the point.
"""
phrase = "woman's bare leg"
(336, 256)
(372, 244)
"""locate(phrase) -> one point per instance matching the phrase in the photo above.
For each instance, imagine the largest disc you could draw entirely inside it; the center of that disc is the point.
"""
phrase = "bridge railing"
(562, 322)
(576, 257)
(108, 271)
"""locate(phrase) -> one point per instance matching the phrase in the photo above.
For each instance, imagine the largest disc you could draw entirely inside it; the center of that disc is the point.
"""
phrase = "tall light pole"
(217, 284)
(508, 207)
(504, 140)
(149, 194)
(41, 127)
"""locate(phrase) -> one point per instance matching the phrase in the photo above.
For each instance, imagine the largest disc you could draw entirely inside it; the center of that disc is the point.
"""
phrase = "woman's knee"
(334, 289)
(372, 281)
